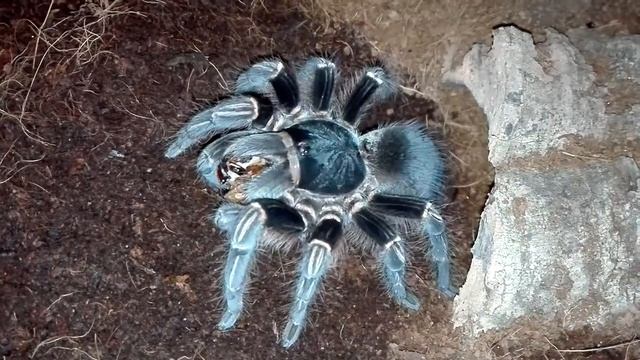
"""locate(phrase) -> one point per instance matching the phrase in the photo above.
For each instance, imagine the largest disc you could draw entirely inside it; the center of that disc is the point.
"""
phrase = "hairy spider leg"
(271, 184)
(317, 78)
(235, 113)
(274, 79)
(433, 227)
(212, 156)
(392, 258)
(258, 88)
(266, 144)
(374, 85)
(241, 256)
(315, 263)
(243, 243)
(276, 178)
(436, 231)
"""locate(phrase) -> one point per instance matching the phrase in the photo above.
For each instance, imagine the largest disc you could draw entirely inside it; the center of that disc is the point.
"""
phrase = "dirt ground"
(106, 248)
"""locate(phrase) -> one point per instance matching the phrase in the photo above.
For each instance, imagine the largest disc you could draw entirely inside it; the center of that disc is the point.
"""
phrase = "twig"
(627, 343)
(166, 227)
(26, 98)
(226, 85)
(581, 156)
(55, 339)
(73, 350)
(554, 346)
(14, 174)
(46, 17)
(474, 183)
(412, 91)
(8, 151)
(57, 300)
(126, 264)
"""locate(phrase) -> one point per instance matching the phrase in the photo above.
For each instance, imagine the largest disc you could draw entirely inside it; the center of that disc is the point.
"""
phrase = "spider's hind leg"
(316, 262)
(249, 227)
(393, 261)
(436, 231)
(433, 227)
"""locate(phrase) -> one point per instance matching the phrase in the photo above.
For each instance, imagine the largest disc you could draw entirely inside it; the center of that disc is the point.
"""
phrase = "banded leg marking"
(316, 262)
(232, 114)
(244, 241)
(241, 257)
(392, 257)
(323, 85)
(374, 80)
(436, 231)
(433, 227)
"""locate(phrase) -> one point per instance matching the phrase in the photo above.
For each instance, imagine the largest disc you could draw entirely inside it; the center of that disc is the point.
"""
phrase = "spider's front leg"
(392, 257)
(262, 90)
(235, 113)
(316, 262)
(434, 228)
(248, 229)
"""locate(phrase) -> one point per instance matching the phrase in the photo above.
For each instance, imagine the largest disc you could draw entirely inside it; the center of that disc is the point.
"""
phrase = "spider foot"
(394, 269)
(291, 333)
(435, 230)
(448, 291)
(410, 302)
(228, 320)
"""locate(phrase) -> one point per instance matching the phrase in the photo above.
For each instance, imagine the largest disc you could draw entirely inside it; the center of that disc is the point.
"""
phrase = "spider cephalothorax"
(296, 171)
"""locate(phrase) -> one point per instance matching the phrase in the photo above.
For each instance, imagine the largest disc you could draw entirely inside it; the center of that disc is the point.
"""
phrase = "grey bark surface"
(559, 239)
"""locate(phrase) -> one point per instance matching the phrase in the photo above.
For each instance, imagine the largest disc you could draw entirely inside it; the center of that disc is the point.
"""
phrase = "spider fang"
(234, 173)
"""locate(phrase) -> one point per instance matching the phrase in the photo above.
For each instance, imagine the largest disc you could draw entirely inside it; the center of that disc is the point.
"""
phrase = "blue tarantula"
(295, 170)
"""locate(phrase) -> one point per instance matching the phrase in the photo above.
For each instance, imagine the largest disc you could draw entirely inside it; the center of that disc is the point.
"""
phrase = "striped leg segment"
(236, 113)
(243, 243)
(436, 231)
(286, 88)
(268, 78)
(392, 258)
(324, 77)
(433, 227)
(374, 82)
(316, 261)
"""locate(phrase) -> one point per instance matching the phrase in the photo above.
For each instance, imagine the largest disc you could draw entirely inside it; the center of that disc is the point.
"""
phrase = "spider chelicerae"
(296, 172)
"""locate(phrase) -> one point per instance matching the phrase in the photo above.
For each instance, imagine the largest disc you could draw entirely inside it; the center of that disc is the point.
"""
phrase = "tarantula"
(295, 170)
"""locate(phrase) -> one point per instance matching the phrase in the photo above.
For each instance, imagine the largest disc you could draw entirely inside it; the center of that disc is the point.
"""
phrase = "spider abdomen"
(329, 158)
